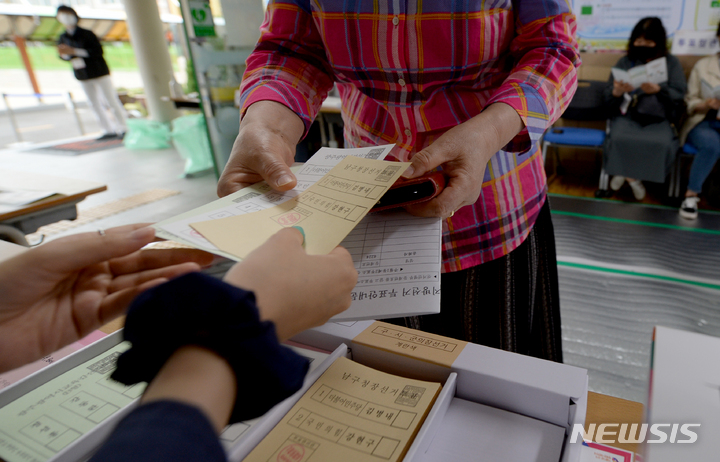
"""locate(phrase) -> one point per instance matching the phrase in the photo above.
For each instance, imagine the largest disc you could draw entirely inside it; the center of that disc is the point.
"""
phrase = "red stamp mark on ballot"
(289, 218)
(291, 453)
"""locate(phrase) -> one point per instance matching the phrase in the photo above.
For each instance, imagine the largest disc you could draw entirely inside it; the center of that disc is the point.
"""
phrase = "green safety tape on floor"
(619, 202)
(637, 222)
(660, 277)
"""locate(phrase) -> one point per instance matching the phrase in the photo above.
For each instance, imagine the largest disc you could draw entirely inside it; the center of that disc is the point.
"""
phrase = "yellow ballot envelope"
(327, 211)
(352, 413)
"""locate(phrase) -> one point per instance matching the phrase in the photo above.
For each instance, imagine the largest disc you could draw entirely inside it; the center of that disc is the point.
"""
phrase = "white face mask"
(67, 19)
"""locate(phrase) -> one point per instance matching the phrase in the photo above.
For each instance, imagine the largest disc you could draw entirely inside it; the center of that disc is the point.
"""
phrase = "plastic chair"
(586, 105)
(687, 150)
(573, 137)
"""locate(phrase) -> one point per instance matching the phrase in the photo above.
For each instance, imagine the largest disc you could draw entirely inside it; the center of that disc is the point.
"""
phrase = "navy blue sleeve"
(196, 309)
(162, 431)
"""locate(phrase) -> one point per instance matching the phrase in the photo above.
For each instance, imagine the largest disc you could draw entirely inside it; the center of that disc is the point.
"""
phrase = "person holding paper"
(469, 89)
(643, 141)
(702, 129)
(209, 350)
(84, 51)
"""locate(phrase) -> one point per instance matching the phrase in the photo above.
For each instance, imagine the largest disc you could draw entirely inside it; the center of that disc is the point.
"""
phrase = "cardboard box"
(527, 387)
(684, 389)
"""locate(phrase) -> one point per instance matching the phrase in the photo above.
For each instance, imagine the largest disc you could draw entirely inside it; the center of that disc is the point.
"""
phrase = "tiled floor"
(624, 269)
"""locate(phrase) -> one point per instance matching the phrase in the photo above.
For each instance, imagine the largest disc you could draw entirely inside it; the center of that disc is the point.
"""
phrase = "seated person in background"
(642, 143)
(702, 129)
(200, 342)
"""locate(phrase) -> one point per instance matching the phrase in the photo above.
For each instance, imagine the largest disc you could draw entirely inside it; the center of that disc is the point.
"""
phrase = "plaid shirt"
(407, 71)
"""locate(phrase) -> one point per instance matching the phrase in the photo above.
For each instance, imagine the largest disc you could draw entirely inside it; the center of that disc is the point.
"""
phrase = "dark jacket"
(671, 92)
(95, 65)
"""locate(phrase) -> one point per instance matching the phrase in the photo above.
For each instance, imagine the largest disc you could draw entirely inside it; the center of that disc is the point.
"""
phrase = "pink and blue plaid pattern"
(407, 71)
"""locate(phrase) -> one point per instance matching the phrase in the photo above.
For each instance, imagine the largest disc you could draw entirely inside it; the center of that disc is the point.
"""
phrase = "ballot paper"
(398, 259)
(41, 423)
(708, 91)
(654, 72)
(352, 413)
(233, 434)
(258, 197)
(397, 255)
(47, 419)
(327, 211)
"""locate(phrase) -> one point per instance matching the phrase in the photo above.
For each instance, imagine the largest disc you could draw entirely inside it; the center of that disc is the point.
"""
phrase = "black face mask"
(644, 54)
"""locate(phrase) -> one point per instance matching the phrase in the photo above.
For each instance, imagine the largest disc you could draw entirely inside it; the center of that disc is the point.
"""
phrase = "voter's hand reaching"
(58, 292)
(293, 289)
(264, 149)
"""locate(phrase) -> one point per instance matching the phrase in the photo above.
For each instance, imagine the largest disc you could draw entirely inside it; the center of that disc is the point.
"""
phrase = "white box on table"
(542, 390)
(684, 389)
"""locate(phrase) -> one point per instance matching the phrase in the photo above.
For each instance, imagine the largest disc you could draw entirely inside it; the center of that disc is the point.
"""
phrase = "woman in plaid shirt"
(466, 86)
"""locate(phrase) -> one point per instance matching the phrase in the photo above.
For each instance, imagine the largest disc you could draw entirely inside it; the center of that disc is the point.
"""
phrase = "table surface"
(608, 409)
(68, 190)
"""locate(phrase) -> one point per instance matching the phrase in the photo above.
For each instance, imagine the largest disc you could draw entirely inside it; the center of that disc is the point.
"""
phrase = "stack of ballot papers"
(397, 255)
(65, 414)
(352, 413)
(47, 419)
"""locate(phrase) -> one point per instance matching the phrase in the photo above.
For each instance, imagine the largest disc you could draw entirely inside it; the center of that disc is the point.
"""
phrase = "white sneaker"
(689, 208)
(638, 189)
(617, 182)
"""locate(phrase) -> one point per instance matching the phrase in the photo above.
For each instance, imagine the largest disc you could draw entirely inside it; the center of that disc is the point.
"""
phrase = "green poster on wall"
(202, 19)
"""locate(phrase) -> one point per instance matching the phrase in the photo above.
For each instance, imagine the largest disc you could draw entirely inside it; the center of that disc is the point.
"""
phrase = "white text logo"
(608, 433)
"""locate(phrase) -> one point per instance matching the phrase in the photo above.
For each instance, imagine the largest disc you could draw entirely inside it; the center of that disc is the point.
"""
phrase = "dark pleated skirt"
(640, 152)
(511, 303)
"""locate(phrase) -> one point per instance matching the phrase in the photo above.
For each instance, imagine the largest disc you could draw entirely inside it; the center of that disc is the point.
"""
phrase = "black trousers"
(511, 303)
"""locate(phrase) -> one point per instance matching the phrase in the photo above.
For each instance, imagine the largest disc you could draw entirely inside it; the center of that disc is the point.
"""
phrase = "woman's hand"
(293, 289)
(620, 88)
(57, 293)
(264, 149)
(650, 88)
(464, 151)
(705, 106)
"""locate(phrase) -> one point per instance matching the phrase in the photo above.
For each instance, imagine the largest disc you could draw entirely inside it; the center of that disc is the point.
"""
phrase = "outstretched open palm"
(59, 292)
